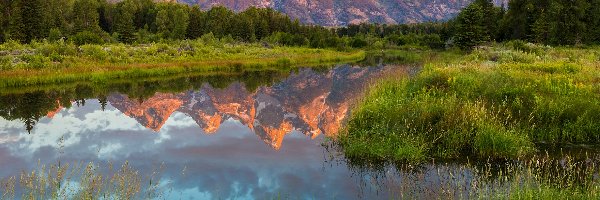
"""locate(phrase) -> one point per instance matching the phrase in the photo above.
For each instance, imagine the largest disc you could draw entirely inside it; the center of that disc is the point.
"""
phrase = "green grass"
(496, 102)
(60, 62)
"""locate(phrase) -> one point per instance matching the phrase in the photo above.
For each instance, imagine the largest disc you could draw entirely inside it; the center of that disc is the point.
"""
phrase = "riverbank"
(495, 102)
(61, 62)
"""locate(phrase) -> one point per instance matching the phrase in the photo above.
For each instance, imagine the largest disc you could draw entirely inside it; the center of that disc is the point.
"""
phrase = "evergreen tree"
(4, 10)
(242, 28)
(519, 19)
(196, 23)
(491, 16)
(86, 16)
(106, 13)
(32, 17)
(470, 27)
(567, 24)
(541, 29)
(143, 14)
(123, 22)
(57, 15)
(16, 28)
(593, 22)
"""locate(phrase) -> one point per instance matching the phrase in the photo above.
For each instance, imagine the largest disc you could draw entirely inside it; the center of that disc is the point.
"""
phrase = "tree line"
(142, 21)
(553, 22)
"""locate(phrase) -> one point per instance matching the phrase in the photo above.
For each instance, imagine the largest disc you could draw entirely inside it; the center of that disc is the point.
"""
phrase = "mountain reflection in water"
(209, 132)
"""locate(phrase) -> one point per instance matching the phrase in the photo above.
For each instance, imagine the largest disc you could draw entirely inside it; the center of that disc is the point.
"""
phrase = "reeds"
(537, 177)
(83, 181)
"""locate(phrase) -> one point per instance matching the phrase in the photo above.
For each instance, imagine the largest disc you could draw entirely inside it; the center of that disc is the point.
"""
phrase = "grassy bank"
(497, 102)
(61, 62)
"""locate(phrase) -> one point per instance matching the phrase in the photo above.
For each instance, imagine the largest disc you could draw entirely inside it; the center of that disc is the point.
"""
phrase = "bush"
(59, 48)
(5, 62)
(36, 61)
(54, 35)
(86, 37)
(523, 46)
(209, 39)
(94, 51)
(358, 43)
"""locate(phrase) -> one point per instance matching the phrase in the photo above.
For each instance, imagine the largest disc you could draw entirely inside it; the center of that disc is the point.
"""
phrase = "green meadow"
(498, 102)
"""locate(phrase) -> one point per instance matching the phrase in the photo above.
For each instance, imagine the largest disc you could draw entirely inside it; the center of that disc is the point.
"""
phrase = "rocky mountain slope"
(344, 12)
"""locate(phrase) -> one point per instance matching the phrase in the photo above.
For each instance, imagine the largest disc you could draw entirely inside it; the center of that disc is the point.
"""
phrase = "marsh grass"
(61, 62)
(83, 181)
(538, 177)
(496, 102)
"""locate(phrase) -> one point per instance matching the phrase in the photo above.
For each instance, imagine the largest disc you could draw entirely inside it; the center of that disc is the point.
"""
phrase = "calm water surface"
(248, 136)
(240, 135)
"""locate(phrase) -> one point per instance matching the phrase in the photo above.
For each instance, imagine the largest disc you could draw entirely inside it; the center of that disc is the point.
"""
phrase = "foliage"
(86, 37)
(470, 28)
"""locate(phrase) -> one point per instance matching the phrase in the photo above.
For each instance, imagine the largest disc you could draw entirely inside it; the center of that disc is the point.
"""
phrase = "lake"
(241, 135)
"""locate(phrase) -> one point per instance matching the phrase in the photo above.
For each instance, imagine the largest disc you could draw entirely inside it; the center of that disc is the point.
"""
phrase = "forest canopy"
(553, 22)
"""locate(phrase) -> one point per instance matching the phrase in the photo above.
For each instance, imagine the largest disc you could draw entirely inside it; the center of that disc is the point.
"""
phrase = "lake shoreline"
(52, 64)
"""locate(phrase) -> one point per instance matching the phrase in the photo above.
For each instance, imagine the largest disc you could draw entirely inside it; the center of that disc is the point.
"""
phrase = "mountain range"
(344, 12)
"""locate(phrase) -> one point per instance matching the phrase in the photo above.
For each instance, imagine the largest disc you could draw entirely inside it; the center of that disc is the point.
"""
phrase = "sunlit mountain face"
(251, 135)
(344, 12)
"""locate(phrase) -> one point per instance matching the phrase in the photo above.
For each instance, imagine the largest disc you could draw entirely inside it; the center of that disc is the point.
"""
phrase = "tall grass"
(61, 62)
(538, 177)
(495, 102)
(83, 181)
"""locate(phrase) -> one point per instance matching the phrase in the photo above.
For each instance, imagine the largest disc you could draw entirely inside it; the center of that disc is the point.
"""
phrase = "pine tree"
(196, 23)
(519, 19)
(123, 22)
(4, 10)
(593, 22)
(32, 18)
(491, 16)
(86, 16)
(16, 28)
(470, 27)
(541, 29)
(567, 24)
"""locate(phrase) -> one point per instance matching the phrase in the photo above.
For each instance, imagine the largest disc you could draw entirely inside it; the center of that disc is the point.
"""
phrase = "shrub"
(358, 43)
(209, 39)
(94, 51)
(36, 61)
(5, 62)
(86, 37)
(54, 35)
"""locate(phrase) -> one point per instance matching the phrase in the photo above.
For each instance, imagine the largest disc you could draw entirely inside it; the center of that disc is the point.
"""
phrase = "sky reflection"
(264, 144)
